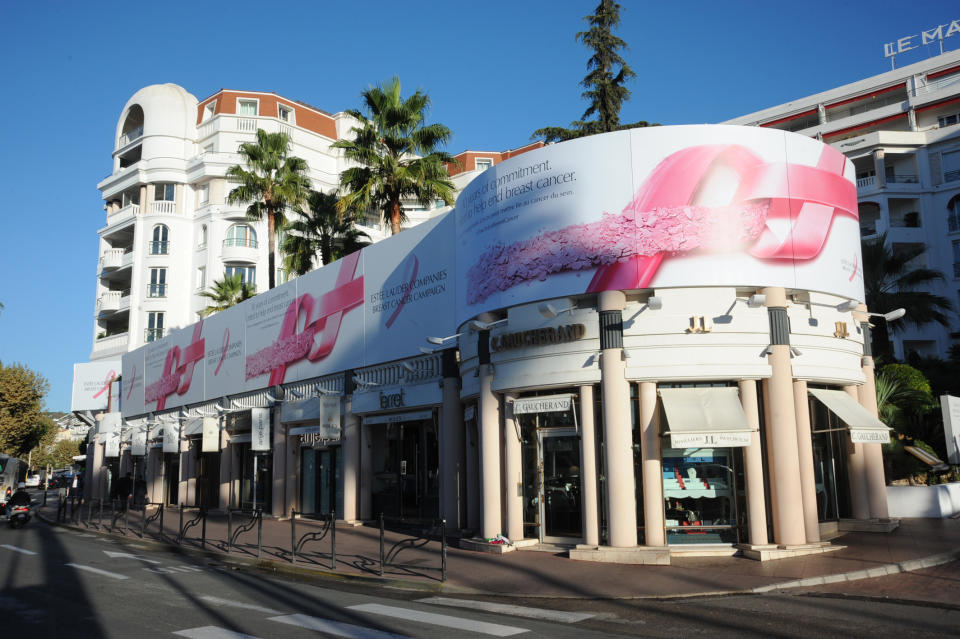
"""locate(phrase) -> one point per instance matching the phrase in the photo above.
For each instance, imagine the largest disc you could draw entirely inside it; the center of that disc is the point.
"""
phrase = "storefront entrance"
(321, 472)
(406, 463)
(830, 441)
(171, 477)
(255, 479)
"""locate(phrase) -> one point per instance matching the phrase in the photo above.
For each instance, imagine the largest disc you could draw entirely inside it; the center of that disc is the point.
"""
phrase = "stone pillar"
(588, 468)
(808, 480)
(472, 464)
(279, 470)
(292, 474)
(183, 490)
(617, 434)
(768, 431)
(784, 464)
(512, 472)
(857, 467)
(350, 447)
(653, 517)
(876, 481)
(753, 467)
(451, 445)
(226, 469)
(366, 472)
(94, 489)
(489, 427)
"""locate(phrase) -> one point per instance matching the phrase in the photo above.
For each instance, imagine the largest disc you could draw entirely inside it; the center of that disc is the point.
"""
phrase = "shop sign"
(211, 435)
(138, 442)
(545, 404)
(906, 43)
(391, 400)
(869, 436)
(259, 429)
(171, 437)
(323, 432)
(711, 440)
(397, 418)
(112, 448)
(538, 337)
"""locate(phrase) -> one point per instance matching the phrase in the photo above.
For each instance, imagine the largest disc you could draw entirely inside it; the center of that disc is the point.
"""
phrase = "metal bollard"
(443, 550)
(203, 529)
(143, 520)
(180, 529)
(293, 535)
(259, 534)
(381, 544)
(333, 540)
(229, 530)
(161, 522)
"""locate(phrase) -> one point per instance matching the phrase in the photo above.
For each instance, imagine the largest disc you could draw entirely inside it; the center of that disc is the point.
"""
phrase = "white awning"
(705, 417)
(193, 427)
(864, 427)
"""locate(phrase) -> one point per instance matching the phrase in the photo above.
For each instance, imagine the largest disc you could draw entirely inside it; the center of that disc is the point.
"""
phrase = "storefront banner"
(659, 207)
(173, 374)
(131, 391)
(112, 444)
(710, 440)
(259, 429)
(138, 442)
(211, 435)
(223, 365)
(93, 385)
(171, 437)
(409, 290)
(950, 408)
(542, 404)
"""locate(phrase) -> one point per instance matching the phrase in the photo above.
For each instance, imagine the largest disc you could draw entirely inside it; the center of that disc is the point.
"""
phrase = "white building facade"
(901, 130)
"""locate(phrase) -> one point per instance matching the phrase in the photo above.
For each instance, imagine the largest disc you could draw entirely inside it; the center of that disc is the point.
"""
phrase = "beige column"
(292, 474)
(653, 518)
(472, 465)
(366, 471)
(225, 469)
(350, 448)
(512, 472)
(183, 492)
(278, 479)
(489, 426)
(873, 453)
(784, 464)
(451, 452)
(146, 197)
(753, 467)
(588, 468)
(857, 467)
(768, 432)
(617, 434)
(808, 481)
(94, 489)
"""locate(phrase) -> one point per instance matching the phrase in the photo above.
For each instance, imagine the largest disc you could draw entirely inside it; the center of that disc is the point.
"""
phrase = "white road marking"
(507, 609)
(114, 555)
(236, 604)
(336, 628)
(15, 549)
(459, 623)
(98, 571)
(174, 569)
(212, 632)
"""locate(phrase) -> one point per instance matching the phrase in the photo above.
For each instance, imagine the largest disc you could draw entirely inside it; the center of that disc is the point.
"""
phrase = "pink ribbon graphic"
(411, 268)
(112, 375)
(130, 387)
(805, 198)
(319, 334)
(223, 354)
(177, 376)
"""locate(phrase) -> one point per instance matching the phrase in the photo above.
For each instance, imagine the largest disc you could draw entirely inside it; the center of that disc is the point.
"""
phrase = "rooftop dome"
(161, 109)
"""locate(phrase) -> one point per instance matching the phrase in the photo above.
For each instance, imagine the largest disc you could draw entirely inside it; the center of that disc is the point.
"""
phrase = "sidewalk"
(918, 544)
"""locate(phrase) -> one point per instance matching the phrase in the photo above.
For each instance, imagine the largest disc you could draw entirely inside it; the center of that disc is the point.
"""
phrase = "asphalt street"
(70, 583)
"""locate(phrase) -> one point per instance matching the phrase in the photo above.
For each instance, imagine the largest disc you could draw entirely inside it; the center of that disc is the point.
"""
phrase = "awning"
(193, 427)
(705, 417)
(864, 427)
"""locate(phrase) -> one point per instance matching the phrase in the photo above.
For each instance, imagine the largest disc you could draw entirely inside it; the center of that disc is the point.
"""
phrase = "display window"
(701, 492)
(831, 440)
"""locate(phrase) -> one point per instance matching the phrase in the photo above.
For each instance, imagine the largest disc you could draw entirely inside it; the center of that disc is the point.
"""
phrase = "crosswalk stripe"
(98, 571)
(434, 619)
(212, 632)
(217, 601)
(336, 628)
(15, 549)
(561, 616)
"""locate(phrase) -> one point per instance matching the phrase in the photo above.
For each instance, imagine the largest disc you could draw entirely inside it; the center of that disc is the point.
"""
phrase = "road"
(60, 582)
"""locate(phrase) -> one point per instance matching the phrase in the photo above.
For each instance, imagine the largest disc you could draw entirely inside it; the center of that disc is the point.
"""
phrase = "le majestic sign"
(909, 42)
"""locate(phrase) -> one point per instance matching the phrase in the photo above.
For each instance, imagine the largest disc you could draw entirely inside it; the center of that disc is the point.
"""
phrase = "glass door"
(560, 503)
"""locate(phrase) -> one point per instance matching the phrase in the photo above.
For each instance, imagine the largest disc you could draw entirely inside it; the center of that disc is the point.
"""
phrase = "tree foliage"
(395, 155)
(604, 85)
(271, 181)
(52, 453)
(227, 292)
(320, 230)
(22, 421)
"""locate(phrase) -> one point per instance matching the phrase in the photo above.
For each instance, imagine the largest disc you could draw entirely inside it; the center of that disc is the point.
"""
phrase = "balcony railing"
(866, 182)
(163, 207)
(116, 258)
(113, 300)
(130, 136)
(158, 248)
(117, 341)
(936, 85)
(153, 334)
(157, 290)
(248, 242)
(903, 179)
(246, 125)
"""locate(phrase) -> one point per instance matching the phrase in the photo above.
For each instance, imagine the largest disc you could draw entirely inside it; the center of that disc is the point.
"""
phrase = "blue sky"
(495, 71)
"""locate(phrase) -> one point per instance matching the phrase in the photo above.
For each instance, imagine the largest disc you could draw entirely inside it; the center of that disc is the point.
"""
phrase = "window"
(247, 107)
(203, 194)
(285, 113)
(158, 246)
(483, 164)
(163, 192)
(154, 327)
(241, 235)
(209, 109)
(131, 197)
(951, 166)
(956, 258)
(248, 274)
(202, 238)
(953, 215)
(158, 283)
(201, 278)
(948, 120)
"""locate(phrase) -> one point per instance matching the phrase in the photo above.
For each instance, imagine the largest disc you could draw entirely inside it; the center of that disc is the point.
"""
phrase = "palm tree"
(396, 154)
(229, 291)
(319, 229)
(272, 181)
(891, 282)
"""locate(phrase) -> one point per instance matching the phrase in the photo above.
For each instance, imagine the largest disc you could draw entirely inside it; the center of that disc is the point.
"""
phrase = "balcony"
(156, 290)
(113, 302)
(130, 136)
(110, 345)
(114, 259)
(122, 215)
(163, 207)
(236, 249)
(867, 182)
(159, 247)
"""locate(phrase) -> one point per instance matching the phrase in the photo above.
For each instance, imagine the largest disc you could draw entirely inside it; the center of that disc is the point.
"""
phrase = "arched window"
(158, 246)
(241, 235)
